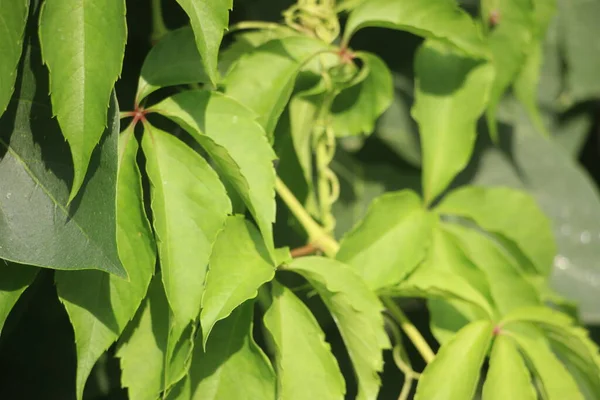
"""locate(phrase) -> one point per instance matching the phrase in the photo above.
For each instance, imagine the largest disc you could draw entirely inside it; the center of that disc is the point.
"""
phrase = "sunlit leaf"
(14, 280)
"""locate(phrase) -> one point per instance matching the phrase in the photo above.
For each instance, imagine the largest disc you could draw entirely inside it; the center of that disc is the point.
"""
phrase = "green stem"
(159, 29)
(316, 234)
(245, 25)
(411, 331)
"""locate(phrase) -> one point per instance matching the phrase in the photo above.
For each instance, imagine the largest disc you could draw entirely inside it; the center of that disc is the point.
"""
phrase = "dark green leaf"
(190, 206)
(454, 372)
(508, 377)
(14, 19)
(306, 369)
(174, 60)
(440, 19)
(239, 264)
(263, 79)
(100, 305)
(224, 128)
(209, 20)
(14, 279)
(450, 95)
(74, 36)
(355, 109)
(510, 213)
(390, 241)
(35, 171)
(357, 313)
(233, 366)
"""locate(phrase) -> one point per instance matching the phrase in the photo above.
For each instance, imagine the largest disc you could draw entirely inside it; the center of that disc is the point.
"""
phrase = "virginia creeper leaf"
(100, 305)
(510, 213)
(37, 226)
(357, 313)
(306, 369)
(232, 366)
(454, 372)
(440, 19)
(14, 279)
(223, 127)
(174, 60)
(508, 377)
(390, 241)
(190, 206)
(14, 19)
(263, 79)
(234, 276)
(508, 40)
(355, 109)
(209, 20)
(74, 36)
(556, 382)
(451, 93)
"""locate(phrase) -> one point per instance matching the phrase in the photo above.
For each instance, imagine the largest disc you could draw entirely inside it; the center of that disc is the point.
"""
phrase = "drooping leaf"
(582, 56)
(100, 305)
(509, 39)
(357, 313)
(306, 369)
(190, 206)
(512, 214)
(14, 16)
(440, 19)
(35, 172)
(390, 241)
(74, 35)
(224, 128)
(451, 93)
(263, 79)
(234, 276)
(174, 60)
(509, 286)
(209, 20)
(508, 377)
(454, 372)
(232, 366)
(14, 279)
(556, 382)
(355, 109)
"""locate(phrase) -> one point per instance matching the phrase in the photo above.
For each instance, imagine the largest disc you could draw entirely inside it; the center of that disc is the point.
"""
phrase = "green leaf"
(190, 206)
(74, 36)
(263, 80)
(233, 366)
(14, 279)
(510, 213)
(510, 288)
(440, 19)
(579, 21)
(390, 241)
(355, 109)
(556, 381)
(508, 377)
(14, 17)
(35, 171)
(454, 372)
(509, 40)
(224, 128)
(525, 87)
(306, 369)
(357, 313)
(174, 60)
(451, 93)
(100, 305)
(234, 276)
(209, 20)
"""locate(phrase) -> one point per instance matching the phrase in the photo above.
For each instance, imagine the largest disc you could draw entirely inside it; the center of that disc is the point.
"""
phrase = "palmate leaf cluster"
(159, 233)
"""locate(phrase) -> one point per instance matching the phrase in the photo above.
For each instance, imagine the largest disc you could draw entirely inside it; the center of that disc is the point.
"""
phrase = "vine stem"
(316, 234)
(411, 331)
(159, 29)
